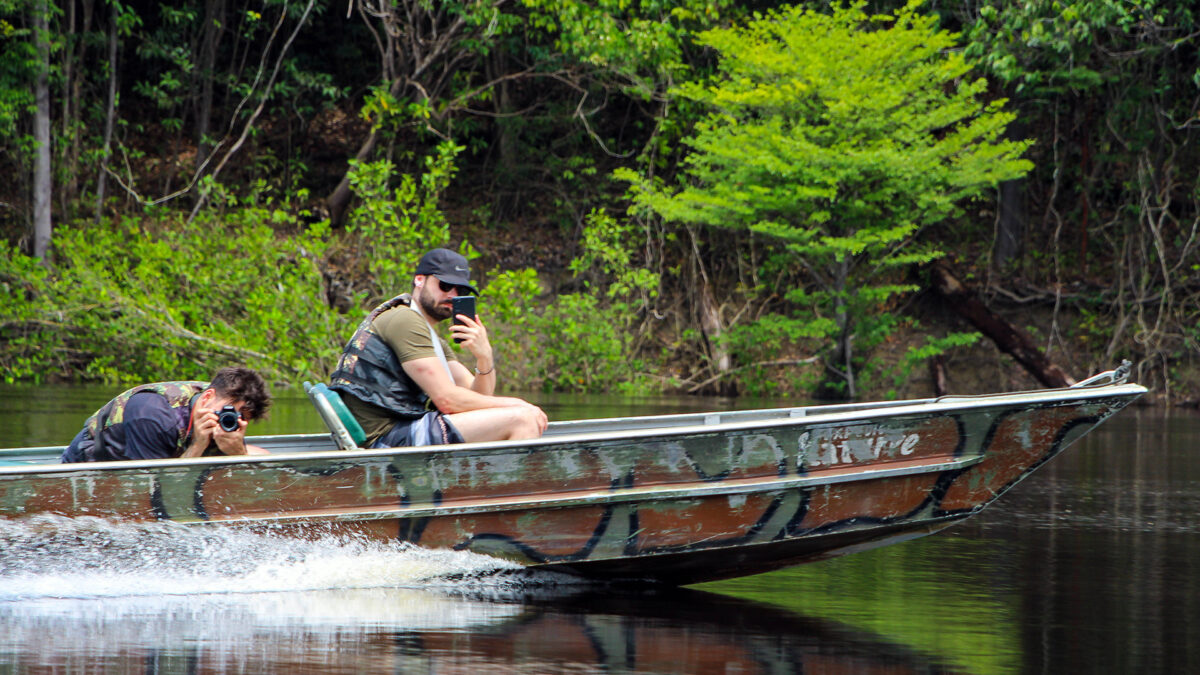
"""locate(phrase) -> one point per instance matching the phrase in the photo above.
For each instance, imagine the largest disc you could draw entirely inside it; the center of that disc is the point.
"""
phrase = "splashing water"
(47, 557)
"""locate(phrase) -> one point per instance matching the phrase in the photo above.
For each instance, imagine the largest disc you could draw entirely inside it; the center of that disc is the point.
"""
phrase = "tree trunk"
(506, 139)
(937, 374)
(337, 202)
(75, 57)
(1010, 339)
(1009, 243)
(214, 23)
(1010, 223)
(840, 378)
(708, 315)
(69, 184)
(845, 345)
(42, 187)
(110, 113)
(710, 325)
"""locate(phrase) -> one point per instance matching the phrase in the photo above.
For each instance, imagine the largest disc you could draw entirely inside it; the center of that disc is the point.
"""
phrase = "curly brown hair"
(245, 385)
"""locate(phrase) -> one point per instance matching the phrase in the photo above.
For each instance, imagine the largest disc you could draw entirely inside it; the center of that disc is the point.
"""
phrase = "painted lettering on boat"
(830, 446)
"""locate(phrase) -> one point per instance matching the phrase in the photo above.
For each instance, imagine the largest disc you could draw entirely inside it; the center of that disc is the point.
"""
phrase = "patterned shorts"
(431, 429)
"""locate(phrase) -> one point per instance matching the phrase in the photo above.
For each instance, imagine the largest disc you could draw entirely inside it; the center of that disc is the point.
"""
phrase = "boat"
(678, 499)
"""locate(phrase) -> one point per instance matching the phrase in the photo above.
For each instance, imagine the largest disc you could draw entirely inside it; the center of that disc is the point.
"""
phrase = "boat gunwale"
(773, 418)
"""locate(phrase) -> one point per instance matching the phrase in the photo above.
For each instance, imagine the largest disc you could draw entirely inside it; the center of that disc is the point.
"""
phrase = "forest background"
(689, 196)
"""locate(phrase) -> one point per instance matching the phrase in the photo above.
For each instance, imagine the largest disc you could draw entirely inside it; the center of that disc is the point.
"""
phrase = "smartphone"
(462, 304)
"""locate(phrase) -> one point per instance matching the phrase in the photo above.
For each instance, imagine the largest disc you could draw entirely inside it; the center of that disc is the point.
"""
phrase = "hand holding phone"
(462, 304)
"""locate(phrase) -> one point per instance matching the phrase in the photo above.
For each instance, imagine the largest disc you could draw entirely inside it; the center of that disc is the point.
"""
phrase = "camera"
(228, 417)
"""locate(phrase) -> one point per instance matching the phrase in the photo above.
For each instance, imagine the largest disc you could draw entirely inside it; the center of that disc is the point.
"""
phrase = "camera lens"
(228, 418)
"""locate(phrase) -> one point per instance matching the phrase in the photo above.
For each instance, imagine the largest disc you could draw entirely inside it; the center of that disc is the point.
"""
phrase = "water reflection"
(424, 631)
(1090, 565)
(1106, 553)
(86, 593)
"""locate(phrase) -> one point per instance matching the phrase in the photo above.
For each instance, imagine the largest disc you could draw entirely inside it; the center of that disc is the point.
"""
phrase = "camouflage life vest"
(369, 370)
(178, 394)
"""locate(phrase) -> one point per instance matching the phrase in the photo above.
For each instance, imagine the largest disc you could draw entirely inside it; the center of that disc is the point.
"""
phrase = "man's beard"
(430, 307)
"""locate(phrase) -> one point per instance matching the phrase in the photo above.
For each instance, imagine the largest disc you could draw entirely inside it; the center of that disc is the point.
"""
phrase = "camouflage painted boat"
(676, 498)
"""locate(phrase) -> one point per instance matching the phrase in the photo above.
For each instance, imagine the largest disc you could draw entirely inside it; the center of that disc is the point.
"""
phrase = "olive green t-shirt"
(407, 334)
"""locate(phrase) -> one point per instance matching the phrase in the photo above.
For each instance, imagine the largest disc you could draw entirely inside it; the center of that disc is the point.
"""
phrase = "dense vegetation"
(685, 196)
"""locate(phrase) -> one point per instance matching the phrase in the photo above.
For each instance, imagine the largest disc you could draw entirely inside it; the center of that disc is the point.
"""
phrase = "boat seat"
(347, 433)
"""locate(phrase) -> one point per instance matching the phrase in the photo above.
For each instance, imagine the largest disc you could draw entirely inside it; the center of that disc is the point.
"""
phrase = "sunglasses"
(446, 288)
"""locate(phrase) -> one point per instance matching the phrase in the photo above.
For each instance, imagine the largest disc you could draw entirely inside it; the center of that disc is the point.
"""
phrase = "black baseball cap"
(447, 266)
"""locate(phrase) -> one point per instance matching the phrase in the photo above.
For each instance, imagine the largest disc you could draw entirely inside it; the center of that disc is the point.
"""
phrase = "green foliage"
(23, 282)
(586, 347)
(608, 248)
(770, 338)
(642, 41)
(1046, 46)
(840, 136)
(580, 341)
(593, 345)
(619, 59)
(385, 111)
(18, 68)
(837, 146)
(933, 347)
(509, 307)
(397, 225)
(155, 299)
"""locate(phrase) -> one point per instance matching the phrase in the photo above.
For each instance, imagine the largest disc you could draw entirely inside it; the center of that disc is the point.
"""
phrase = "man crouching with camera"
(175, 419)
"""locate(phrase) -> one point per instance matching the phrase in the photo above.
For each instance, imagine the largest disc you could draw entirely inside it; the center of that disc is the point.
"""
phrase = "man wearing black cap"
(406, 387)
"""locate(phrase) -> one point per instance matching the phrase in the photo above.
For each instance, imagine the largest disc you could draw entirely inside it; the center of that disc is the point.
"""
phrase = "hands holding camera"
(222, 426)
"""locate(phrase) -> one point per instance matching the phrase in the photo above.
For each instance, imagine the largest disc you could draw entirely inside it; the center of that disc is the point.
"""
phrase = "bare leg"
(499, 424)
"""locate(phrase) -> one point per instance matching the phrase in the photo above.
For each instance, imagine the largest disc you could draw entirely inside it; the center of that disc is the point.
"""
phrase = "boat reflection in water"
(86, 594)
(425, 631)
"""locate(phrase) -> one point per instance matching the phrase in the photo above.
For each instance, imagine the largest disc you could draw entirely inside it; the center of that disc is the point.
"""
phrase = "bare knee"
(526, 423)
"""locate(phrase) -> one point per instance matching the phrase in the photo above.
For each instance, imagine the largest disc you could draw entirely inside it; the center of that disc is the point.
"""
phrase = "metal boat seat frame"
(347, 433)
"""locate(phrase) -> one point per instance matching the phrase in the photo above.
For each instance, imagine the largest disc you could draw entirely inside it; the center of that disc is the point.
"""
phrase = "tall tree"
(214, 27)
(839, 135)
(42, 186)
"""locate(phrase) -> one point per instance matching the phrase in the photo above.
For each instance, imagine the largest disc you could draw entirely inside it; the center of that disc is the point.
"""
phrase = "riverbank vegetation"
(659, 196)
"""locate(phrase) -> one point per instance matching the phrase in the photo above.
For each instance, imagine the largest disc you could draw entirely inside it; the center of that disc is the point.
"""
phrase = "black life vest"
(370, 371)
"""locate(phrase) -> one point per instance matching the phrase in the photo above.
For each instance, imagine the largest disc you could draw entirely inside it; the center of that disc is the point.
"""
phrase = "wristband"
(485, 372)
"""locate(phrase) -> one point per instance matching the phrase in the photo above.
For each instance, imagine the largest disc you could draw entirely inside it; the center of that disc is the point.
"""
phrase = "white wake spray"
(56, 557)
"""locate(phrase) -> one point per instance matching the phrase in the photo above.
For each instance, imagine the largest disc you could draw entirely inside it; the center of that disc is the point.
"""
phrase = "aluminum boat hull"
(673, 498)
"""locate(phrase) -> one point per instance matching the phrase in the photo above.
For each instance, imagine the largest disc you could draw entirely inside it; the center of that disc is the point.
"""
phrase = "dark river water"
(1092, 565)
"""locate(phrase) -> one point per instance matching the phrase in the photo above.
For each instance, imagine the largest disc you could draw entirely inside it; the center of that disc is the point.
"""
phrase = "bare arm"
(459, 395)
(474, 337)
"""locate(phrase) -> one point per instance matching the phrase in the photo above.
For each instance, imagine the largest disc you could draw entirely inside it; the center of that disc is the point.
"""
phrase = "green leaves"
(1047, 45)
(397, 225)
(640, 40)
(607, 246)
(840, 135)
(826, 121)
(147, 299)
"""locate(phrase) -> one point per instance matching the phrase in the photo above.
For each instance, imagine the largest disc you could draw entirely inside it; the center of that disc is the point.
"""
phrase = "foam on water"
(57, 557)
